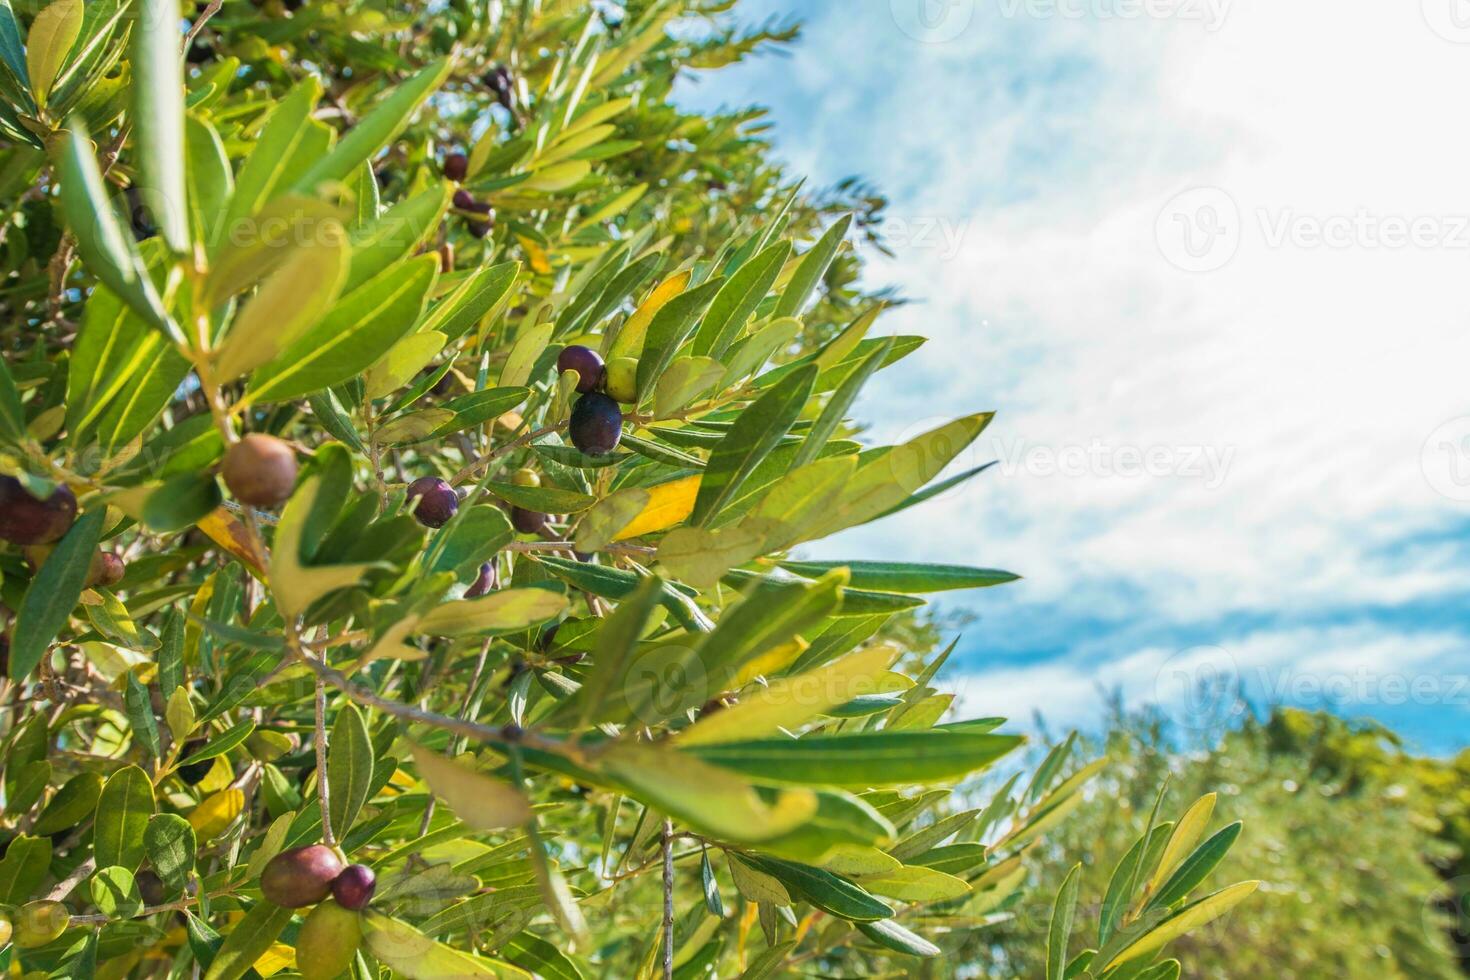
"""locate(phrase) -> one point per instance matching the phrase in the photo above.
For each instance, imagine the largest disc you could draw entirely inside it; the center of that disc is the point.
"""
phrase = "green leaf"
(396, 234)
(617, 639)
(11, 50)
(123, 810)
(375, 130)
(1197, 867)
(814, 266)
(351, 337)
(1060, 931)
(473, 300)
(530, 952)
(50, 40)
(296, 584)
(170, 844)
(862, 760)
(738, 299)
(710, 886)
(668, 331)
(481, 801)
(12, 413)
(835, 411)
(210, 179)
(506, 611)
(296, 294)
(115, 893)
(916, 884)
(757, 431)
(101, 243)
(1187, 919)
(402, 948)
(686, 379)
(287, 135)
(891, 935)
(544, 500)
(26, 864)
(349, 768)
(402, 363)
(714, 802)
(73, 803)
(181, 502)
(906, 578)
(824, 890)
(140, 715)
(247, 941)
(158, 112)
(53, 594)
(218, 745)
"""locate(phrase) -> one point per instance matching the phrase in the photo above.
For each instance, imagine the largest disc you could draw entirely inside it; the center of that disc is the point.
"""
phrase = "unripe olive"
(597, 424)
(39, 923)
(26, 520)
(354, 887)
(621, 380)
(585, 361)
(5, 931)
(526, 478)
(327, 941)
(106, 570)
(260, 470)
(437, 501)
(301, 876)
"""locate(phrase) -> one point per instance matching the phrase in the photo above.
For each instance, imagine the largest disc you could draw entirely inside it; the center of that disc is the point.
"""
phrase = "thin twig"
(471, 468)
(198, 25)
(321, 762)
(668, 846)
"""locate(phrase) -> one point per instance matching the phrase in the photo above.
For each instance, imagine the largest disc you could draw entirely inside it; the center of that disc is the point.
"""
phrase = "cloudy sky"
(1210, 262)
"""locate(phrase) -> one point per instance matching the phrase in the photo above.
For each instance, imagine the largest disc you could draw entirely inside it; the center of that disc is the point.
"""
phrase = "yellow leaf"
(773, 661)
(50, 40)
(406, 951)
(274, 960)
(629, 341)
(1189, 918)
(227, 532)
(790, 702)
(668, 504)
(481, 801)
(210, 818)
(609, 516)
(1187, 834)
(557, 177)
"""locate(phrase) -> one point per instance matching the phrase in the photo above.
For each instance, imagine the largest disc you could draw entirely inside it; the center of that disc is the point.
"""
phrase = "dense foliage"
(408, 416)
(1359, 843)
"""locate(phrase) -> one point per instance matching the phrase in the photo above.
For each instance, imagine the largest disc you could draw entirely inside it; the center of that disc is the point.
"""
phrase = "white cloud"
(1047, 149)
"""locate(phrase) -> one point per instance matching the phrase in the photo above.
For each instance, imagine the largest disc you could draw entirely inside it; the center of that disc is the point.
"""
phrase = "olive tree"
(409, 421)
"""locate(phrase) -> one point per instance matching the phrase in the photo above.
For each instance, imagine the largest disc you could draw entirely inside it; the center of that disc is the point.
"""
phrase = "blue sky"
(1210, 261)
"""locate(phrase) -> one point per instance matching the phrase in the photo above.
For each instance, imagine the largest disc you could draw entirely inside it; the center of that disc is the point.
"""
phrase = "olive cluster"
(316, 875)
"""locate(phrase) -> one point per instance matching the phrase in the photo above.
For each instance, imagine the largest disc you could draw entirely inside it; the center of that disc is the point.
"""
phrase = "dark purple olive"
(437, 501)
(354, 887)
(260, 470)
(26, 520)
(597, 424)
(483, 583)
(150, 888)
(194, 772)
(527, 521)
(464, 200)
(480, 227)
(585, 361)
(301, 876)
(456, 165)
